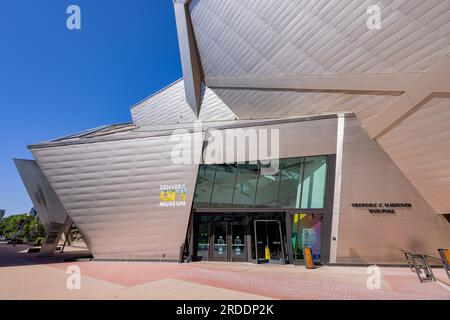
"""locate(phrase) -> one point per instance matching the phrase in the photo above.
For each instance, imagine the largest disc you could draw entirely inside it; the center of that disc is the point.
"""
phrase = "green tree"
(31, 230)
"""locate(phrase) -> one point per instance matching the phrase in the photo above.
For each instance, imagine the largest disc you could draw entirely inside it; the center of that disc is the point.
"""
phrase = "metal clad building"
(362, 125)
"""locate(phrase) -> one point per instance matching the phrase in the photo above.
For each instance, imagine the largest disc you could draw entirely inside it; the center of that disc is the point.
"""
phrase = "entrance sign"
(173, 195)
(379, 207)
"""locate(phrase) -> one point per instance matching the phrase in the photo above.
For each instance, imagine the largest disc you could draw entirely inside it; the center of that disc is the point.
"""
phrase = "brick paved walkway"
(215, 280)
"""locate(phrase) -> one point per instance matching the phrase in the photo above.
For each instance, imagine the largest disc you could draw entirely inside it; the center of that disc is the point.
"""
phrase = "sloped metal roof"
(252, 38)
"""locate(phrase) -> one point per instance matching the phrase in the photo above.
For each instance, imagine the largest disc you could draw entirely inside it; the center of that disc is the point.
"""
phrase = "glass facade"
(245, 188)
(292, 183)
(239, 236)
(314, 180)
(224, 184)
(306, 232)
(205, 181)
(203, 241)
(268, 186)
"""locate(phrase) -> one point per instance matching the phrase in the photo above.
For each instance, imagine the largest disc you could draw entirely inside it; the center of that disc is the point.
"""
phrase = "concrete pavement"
(25, 276)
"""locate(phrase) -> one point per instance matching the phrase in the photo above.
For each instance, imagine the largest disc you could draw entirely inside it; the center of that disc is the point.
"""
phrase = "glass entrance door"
(229, 241)
(238, 245)
(203, 238)
(220, 241)
(269, 241)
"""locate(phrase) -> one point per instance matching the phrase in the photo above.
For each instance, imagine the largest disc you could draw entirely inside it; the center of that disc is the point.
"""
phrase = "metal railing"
(419, 263)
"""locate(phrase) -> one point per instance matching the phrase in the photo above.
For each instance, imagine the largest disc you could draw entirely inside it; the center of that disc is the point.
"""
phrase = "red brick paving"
(276, 285)
(259, 280)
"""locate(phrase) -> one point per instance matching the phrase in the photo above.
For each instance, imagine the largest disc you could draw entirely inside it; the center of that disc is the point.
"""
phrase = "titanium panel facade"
(420, 146)
(370, 176)
(169, 106)
(278, 103)
(50, 211)
(189, 56)
(296, 139)
(111, 190)
(249, 49)
(44, 199)
(251, 38)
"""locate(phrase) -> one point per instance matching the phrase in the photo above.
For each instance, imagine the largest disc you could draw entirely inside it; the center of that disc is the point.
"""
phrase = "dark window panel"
(314, 182)
(224, 184)
(291, 183)
(245, 191)
(204, 187)
(268, 185)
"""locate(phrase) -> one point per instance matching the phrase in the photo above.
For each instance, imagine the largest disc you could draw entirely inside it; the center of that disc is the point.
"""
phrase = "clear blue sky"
(54, 81)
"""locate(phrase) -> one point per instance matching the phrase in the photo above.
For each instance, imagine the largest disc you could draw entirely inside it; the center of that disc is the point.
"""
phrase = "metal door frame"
(281, 239)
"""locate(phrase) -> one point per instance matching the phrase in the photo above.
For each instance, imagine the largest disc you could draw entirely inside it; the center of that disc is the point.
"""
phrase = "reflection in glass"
(224, 185)
(203, 189)
(291, 183)
(202, 241)
(268, 186)
(220, 240)
(238, 241)
(306, 232)
(247, 177)
(294, 237)
(269, 241)
(314, 181)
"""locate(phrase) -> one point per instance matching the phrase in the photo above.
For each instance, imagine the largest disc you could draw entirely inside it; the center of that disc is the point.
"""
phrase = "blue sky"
(55, 81)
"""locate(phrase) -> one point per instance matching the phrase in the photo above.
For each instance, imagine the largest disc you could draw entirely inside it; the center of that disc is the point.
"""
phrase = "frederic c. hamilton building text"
(374, 207)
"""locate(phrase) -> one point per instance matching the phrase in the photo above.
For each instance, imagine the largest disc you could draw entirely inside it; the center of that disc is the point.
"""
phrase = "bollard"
(267, 253)
(309, 261)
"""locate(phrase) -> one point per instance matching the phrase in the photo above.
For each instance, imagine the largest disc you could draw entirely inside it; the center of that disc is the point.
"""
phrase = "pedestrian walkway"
(25, 276)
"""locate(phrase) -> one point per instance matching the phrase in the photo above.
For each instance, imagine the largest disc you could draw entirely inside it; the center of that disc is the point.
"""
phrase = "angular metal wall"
(370, 176)
(420, 146)
(44, 199)
(169, 106)
(294, 58)
(111, 190)
(50, 211)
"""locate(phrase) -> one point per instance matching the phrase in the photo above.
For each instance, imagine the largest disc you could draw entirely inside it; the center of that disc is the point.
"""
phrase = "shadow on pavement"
(11, 256)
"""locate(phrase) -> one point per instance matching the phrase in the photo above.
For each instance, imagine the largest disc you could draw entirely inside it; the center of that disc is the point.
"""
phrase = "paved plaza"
(26, 276)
